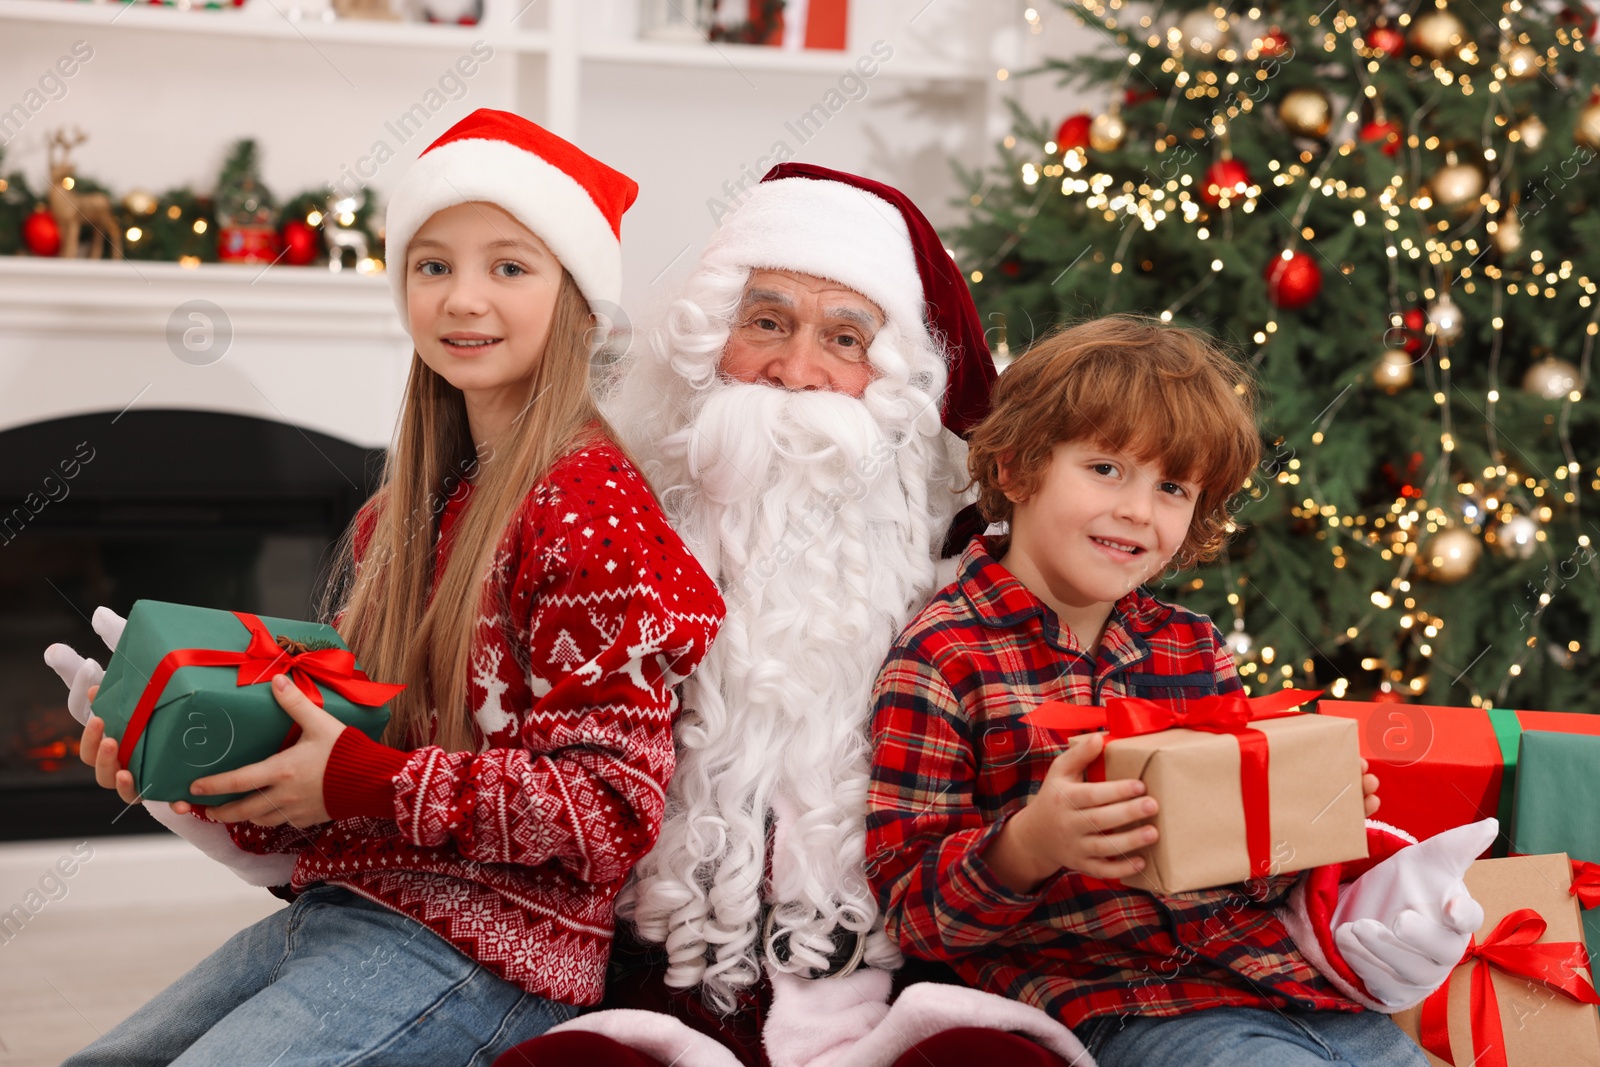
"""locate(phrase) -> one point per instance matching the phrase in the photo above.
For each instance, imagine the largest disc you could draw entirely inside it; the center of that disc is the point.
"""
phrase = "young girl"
(455, 883)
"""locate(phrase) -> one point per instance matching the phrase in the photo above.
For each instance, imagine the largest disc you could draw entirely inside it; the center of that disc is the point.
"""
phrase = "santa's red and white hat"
(572, 201)
(870, 237)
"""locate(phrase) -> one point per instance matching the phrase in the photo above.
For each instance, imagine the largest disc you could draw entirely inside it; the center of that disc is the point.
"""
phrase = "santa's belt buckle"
(845, 959)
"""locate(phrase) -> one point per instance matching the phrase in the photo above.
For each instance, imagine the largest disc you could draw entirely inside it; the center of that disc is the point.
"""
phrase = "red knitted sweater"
(515, 853)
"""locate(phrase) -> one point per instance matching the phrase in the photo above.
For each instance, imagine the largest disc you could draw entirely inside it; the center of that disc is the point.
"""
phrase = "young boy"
(1112, 449)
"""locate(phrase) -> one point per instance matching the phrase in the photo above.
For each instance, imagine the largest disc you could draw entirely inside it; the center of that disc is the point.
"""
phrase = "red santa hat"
(573, 202)
(872, 238)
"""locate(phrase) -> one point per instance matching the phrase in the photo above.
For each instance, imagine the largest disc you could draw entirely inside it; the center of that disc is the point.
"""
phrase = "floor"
(90, 930)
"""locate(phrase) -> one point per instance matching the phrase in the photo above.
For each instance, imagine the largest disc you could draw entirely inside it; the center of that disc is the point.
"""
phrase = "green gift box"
(188, 692)
(1558, 806)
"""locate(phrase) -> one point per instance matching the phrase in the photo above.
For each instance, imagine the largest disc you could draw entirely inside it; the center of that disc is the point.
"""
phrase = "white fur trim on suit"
(541, 196)
(861, 1032)
(657, 1035)
(830, 230)
(1297, 920)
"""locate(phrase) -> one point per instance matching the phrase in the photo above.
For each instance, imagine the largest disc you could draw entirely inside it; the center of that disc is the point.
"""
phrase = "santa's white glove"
(211, 838)
(1403, 926)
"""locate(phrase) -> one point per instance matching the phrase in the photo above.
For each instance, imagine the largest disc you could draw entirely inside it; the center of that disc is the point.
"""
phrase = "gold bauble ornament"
(1445, 318)
(1106, 132)
(1457, 185)
(1551, 378)
(1306, 112)
(1587, 131)
(140, 202)
(1202, 31)
(1531, 131)
(1394, 371)
(1517, 537)
(1437, 34)
(1521, 62)
(1508, 232)
(1450, 555)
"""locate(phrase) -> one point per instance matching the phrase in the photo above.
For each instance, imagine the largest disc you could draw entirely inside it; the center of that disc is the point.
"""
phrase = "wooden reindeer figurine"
(73, 209)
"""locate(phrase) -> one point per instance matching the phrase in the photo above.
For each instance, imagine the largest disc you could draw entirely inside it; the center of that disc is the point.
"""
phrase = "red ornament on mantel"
(1293, 280)
(1074, 132)
(1225, 177)
(1386, 39)
(299, 242)
(41, 233)
(1384, 133)
(247, 244)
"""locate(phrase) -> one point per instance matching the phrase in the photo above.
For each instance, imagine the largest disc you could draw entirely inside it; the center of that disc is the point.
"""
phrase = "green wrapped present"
(188, 692)
(1558, 810)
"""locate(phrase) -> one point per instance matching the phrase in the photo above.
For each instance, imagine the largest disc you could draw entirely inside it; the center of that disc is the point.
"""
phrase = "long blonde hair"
(397, 633)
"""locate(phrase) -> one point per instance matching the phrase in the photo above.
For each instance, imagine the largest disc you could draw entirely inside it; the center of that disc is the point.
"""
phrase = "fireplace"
(199, 507)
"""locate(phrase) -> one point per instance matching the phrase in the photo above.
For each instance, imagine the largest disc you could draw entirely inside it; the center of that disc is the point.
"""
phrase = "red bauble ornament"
(1293, 280)
(1387, 694)
(1226, 177)
(1274, 43)
(1010, 268)
(1578, 15)
(1073, 132)
(41, 233)
(1131, 96)
(1386, 39)
(299, 242)
(1416, 329)
(1385, 133)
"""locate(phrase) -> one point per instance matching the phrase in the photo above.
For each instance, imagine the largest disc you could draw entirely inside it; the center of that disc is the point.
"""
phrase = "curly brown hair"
(1163, 394)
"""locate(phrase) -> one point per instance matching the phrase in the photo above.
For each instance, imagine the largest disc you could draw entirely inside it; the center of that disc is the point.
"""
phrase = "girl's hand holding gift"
(100, 752)
(287, 786)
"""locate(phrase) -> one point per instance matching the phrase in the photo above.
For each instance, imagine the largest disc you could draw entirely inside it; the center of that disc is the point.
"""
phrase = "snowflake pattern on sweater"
(515, 853)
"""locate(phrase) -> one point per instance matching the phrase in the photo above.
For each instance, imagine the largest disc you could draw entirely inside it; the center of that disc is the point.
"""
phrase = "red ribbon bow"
(1510, 946)
(1226, 713)
(1586, 883)
(261, 659)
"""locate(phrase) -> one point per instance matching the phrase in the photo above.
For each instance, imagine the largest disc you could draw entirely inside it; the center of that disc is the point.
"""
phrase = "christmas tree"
(1388, 212)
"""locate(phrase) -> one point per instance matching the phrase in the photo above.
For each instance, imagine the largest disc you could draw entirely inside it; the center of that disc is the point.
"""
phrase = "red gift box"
(1440, 768)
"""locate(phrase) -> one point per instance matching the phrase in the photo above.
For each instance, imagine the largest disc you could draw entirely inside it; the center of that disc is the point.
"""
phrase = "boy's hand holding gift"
(1089, 827)
(1248, 787)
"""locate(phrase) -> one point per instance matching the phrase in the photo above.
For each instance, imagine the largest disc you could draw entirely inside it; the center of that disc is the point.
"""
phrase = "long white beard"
(821, 523)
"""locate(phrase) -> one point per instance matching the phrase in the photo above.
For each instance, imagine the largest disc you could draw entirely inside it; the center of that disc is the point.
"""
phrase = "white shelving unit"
(165, 91)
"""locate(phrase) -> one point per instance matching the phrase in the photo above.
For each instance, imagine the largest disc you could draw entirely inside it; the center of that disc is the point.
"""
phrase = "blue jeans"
(333, 980)
(1250, 1037)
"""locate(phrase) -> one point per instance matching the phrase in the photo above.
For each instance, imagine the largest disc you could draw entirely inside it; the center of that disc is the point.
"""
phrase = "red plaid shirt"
(952, 759)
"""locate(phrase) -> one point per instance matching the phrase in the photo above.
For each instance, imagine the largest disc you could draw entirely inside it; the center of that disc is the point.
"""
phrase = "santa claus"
(799, 414)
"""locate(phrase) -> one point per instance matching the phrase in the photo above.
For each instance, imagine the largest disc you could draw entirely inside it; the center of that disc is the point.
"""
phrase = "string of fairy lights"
(1437, 524)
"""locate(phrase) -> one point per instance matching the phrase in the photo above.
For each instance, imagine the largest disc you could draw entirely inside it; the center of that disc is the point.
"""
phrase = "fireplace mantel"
(310, 348)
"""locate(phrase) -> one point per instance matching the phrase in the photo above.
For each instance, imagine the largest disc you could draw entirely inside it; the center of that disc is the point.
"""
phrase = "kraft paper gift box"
(188, 692)
(1246, 786)
(1531, 982)
(1439, 767)
(1558, 806)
